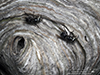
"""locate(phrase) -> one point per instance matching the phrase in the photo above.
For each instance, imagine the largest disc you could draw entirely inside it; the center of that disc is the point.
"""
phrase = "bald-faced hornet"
(68, 38)
(32, 19)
